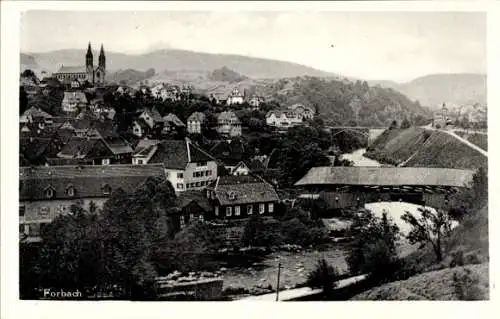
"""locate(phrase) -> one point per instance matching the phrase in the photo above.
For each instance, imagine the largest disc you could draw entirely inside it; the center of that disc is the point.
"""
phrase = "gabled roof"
(387, 176)
(154, 114)
(87, 181)
(37, 112)
(118, 146)
(72, 69)
(171, 117)
(228, 153)
(238, 190)
(176, 154)
(75, 97)
(196, 117)
(227, 116)
(80, 147)
(199, 197)
(145, 143)
(142, 123)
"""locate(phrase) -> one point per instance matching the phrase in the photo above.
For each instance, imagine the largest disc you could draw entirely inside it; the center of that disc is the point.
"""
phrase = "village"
(239, 186)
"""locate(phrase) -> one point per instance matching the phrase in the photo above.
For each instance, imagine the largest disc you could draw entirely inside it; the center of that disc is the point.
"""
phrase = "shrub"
(467, 286)
(323, 276)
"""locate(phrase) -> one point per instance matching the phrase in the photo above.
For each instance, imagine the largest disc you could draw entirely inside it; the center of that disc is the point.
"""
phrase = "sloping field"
(442, 150)
(459, 283)
(399, 144)
(480, 140)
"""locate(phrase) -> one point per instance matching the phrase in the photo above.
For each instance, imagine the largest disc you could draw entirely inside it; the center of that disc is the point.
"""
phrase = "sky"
(397, 46)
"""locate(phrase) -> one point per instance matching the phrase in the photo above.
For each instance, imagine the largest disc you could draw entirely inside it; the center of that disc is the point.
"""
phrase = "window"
(201, 218)
(49, 192)
(229, 211)
(270, 207)
(106, 189)
(105, 161)
(180, 186)
(167, 174)
(249, 209)
(191, 217)
(140, 162)
(180, 175)
(44, 211)
(262, 208)
(237, 210)
(216, 210)
(182, 222)
(201, 164)
(188, 185)
(198, 184)
(22, 210)
(70, 191)
(209, 173)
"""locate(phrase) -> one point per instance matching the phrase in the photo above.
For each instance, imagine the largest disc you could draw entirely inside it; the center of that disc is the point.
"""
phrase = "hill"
(225, 74)
(417, 147)
(130, 76)
(340, 100)
(432, 90)
(460, 283)
(179, 60)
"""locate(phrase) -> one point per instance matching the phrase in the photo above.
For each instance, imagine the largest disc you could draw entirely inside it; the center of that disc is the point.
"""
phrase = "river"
(358, 158)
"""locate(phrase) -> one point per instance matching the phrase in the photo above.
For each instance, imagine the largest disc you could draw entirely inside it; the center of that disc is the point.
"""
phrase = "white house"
(195, 122)
(235, 97)
(283, 118)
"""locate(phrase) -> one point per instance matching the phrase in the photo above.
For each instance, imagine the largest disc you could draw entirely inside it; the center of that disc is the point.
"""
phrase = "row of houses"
(294, 115)
(47, 192)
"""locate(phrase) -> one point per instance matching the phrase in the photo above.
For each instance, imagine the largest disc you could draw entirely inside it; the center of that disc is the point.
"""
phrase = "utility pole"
(278, 284)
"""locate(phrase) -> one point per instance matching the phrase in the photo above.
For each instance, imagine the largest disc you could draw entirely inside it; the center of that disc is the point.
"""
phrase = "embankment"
(419, 147)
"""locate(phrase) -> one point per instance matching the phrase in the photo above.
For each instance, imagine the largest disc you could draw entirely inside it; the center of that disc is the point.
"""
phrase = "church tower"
(89, 63)
(101, 69)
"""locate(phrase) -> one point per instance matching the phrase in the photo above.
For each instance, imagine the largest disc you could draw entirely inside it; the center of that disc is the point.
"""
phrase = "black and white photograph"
(253, 155)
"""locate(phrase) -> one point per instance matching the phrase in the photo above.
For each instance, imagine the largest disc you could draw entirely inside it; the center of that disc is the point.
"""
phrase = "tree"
(472, 198)
(394, 125)
(374, 249)
(23, 100)
(324, 276)
(405, 124)
(28, 73)
(430, 228)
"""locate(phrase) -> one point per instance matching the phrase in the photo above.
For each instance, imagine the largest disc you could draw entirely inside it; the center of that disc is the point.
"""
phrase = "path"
(463, 140)
(302, 292)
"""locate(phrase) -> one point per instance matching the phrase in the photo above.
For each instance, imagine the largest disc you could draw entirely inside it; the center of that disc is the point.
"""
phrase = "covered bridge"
(350, 186)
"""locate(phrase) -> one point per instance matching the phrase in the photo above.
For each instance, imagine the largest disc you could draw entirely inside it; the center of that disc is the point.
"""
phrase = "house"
(73, 101)
(228, 124)
(144, 150)
(305, 112)
(47, 192)
(235, 97)
(236, 197)
(283, 118)
(140, 128)
(96, 150)
(255, 101)
(153, 118)
(193, 205)
(187, 166)
(229, 153)
(195, 122)
(36, 115)
(441, 118)
(172, 123)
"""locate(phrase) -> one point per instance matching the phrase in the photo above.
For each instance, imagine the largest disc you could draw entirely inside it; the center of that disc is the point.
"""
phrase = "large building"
(90, 73)
(49, 191)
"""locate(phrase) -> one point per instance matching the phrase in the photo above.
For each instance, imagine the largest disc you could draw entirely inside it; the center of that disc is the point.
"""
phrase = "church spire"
(89, 58)
(102, 58)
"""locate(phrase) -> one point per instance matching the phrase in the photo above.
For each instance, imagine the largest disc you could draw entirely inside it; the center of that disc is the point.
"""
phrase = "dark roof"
(35, 149)
(196, 117)
(245, 189)
(387, 176)
(172, 118)
(199, 197)
(72, 69)
(155, 115)
(176, 154)
(87, 181)
(230, 153)
(80, 145)
(37, 112)
(118, 145)
(142, 123)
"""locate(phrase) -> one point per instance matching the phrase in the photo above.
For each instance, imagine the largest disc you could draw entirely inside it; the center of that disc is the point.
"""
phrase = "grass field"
(442, 150)
(480, 140)
(459, 283)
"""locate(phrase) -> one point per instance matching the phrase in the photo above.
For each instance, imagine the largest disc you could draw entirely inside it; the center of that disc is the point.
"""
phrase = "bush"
(467, 286)
(323, 276)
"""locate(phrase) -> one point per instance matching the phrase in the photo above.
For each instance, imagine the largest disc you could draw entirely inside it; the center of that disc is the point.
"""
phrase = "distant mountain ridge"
(435, 89)
(174, 60)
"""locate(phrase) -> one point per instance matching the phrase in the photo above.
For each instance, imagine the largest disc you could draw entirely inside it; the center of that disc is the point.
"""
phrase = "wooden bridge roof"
(387, 176)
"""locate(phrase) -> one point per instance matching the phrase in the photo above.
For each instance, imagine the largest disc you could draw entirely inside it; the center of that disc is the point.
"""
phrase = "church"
(94, 75)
